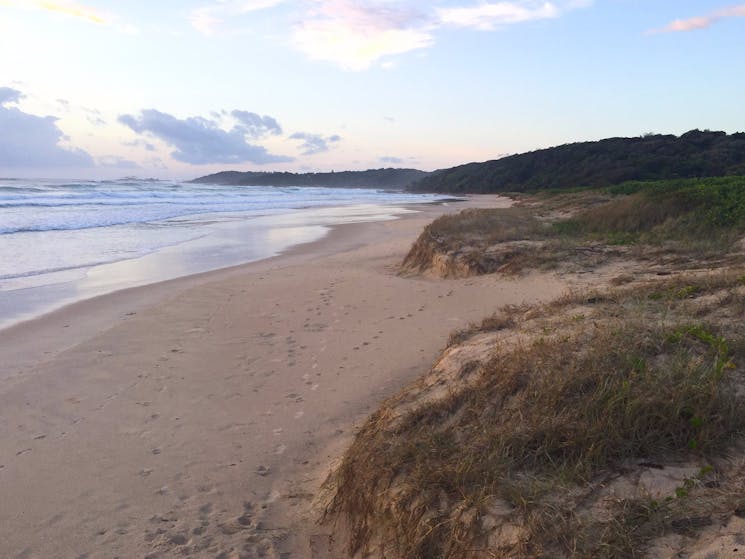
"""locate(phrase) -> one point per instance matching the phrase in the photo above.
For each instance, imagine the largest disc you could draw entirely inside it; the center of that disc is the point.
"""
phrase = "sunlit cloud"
(702, 22)
(490, 15)
(332, 42)
(210, 19)
(358, 35)
(74, 10)
(65, 7)
(355, 35)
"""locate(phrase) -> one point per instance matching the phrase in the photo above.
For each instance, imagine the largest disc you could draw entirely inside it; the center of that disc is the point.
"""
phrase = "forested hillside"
(396, 179)
(595, 164)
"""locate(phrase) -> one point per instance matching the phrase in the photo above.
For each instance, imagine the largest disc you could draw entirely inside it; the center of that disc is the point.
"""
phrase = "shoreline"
(226, 245)
(201, 414)
(22, 338)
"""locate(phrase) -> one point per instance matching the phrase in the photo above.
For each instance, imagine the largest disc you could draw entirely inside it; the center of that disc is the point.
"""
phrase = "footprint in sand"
(205, 510)
(179, 539)
(55, 519)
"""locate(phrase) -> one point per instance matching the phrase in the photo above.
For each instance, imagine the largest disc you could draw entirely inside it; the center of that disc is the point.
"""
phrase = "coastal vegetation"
(393, 179)
(663, 223)
(597, 164)
(608, 423)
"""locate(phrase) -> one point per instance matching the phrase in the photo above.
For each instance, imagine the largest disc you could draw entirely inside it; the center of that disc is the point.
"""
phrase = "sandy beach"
(199, 416)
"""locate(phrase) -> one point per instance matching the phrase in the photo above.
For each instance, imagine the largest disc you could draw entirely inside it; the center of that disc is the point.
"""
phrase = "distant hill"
(597, 164)
(394, 179)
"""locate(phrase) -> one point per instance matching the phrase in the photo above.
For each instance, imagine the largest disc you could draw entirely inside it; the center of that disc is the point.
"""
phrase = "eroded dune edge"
(607, 423)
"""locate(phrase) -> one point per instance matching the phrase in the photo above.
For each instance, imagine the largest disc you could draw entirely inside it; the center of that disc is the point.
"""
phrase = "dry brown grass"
(648, 374)
(572, 232)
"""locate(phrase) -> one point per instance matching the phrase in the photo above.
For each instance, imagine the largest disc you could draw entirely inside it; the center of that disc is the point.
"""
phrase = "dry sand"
(200, 416)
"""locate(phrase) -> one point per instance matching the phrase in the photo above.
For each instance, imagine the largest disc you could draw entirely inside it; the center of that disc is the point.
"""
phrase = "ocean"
(62, 241)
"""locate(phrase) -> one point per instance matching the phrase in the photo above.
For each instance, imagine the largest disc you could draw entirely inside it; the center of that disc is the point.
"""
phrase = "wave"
(30, 274)
(33, 207)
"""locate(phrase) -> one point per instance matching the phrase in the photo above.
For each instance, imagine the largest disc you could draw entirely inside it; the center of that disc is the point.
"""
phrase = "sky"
(179, 89)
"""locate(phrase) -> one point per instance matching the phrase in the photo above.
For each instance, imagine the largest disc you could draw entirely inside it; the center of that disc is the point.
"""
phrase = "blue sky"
(99, 89)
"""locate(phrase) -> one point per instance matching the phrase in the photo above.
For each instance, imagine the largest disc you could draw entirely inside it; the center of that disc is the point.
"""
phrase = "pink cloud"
(702, 22)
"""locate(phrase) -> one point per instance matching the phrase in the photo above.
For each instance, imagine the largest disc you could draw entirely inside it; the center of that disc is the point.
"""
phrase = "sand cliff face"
(431, 256)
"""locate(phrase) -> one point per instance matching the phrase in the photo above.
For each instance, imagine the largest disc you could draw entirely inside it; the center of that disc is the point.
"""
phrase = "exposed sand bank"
(199, 416)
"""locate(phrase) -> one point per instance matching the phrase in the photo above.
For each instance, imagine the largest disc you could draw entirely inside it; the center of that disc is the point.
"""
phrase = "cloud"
(702, 22)
(314, 143)
(64, 7)
(358, 34)
(209, 20)
(490, 15)
(32, 141)
(390, 159)
(200, 141)
(72, 9)
(116, 162)
(155, 163)
(94, 117)
(140, 144)
(355, 35)
(256, 126)
(9, 95)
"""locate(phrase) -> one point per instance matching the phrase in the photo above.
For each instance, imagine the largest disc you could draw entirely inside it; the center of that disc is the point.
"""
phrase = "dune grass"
(647, 374)
(676, 219)
(710, 210)
(573, 394)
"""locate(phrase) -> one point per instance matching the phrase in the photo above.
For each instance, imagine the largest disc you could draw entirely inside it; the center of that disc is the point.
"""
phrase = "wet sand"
(198, 417)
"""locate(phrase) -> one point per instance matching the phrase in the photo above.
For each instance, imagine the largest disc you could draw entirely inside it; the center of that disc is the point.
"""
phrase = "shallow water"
(61, 242)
